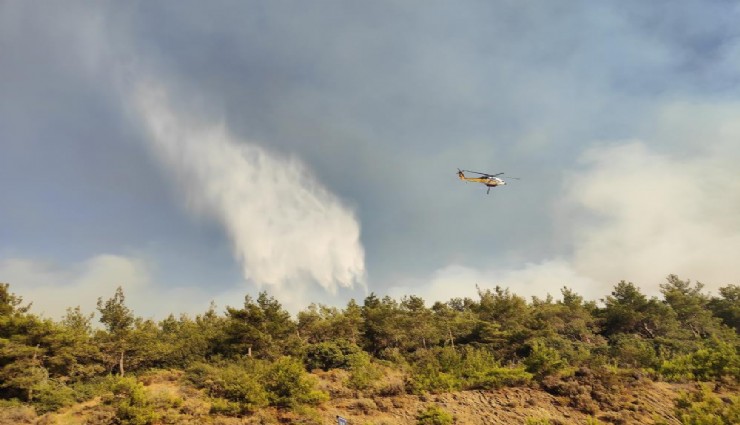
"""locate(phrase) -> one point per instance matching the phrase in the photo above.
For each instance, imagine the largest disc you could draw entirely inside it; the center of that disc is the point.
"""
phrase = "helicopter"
(490, 180)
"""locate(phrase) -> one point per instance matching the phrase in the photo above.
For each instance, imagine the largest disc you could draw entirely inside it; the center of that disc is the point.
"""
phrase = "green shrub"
(479, 369)
(324, 356)
(430, 379)
(199, 374)
(222, 406)
(392, 355)
(679, 368)
(701, 407)
(451, 360)
(717, 360)
(445, 369)
(288, 384)
(469, 363)
(434, 415)
(433, 371)
(543, 360)
(498, 377)
(130, 401)
(363, 374)
(330, 355)
(633, 351)
(52, 396)
(167, 400)
(87, 390)
(232, 383)
(252, 384)
(236, 384)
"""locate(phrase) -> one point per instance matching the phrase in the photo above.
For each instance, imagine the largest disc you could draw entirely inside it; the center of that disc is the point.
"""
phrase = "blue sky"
(193, 151)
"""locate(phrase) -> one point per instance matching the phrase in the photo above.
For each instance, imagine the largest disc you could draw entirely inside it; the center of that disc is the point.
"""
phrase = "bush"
(363, 373)
(330, 355)
(498, 377)
(234, 389)
(479, 369)
(434, 415)
(245, 386)
(52, 396)
(393, 386)
(88, 390)
(718, 360)
(222, 406)
(679, 368)
(431, 371)
(288, 384)
(364, 405)
(429, 377)
(713, 362)
(543, 360)
(199, 374)
(130, 401)
(307, 416)
(167, 400)
(633, 351)
(445, 369)
(701, 407)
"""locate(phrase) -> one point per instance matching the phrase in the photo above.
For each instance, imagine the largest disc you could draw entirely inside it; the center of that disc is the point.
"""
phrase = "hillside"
(644, 402)
(496, 359)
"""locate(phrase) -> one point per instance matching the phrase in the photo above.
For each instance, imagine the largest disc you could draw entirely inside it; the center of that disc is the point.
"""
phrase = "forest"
(256, 357)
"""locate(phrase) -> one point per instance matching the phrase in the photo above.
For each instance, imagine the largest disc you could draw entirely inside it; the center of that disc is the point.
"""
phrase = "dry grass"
(386, 404)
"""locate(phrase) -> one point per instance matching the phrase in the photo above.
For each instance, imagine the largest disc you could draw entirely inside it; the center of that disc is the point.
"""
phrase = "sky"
(195, 152)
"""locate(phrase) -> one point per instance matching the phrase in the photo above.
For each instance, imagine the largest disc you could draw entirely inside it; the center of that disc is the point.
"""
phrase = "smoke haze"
(631, 210)
(621, 120)
(648, 213)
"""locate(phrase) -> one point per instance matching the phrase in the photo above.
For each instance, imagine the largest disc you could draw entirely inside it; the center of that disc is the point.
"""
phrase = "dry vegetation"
(175, 401)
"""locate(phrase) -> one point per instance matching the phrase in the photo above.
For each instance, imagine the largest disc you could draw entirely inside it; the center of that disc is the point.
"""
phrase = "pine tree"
(118, 320)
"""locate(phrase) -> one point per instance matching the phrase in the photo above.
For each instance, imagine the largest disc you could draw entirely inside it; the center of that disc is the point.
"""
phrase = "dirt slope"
(641, 403)
(505, 406)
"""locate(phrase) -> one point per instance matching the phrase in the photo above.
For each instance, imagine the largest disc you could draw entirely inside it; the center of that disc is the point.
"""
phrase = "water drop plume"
(286, 228)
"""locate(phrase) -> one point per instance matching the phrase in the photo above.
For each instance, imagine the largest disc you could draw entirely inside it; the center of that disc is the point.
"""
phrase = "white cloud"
(287, 230)
(53, 288)
(458, 281)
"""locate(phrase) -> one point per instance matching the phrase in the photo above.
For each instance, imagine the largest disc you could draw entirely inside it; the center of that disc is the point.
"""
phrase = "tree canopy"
(500, 338)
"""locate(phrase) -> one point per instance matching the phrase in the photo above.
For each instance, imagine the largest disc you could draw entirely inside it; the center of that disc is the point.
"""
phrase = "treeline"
(258, 355)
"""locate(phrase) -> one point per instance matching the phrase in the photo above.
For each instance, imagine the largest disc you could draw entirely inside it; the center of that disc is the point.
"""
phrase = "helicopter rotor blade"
(483, 174)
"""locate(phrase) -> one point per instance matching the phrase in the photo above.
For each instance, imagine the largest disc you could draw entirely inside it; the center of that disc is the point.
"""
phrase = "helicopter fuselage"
(488, 181)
